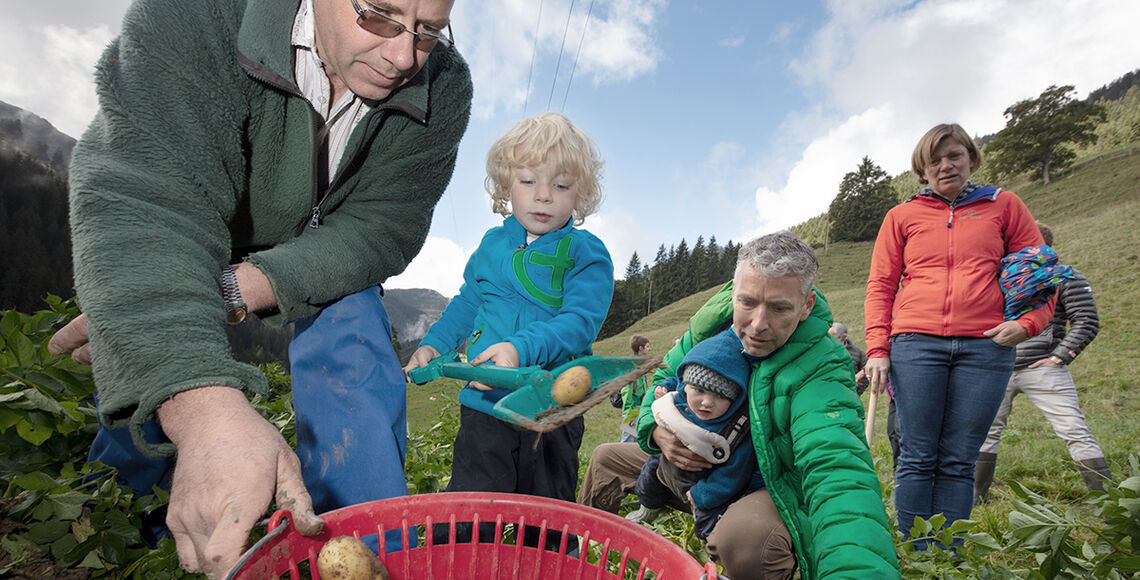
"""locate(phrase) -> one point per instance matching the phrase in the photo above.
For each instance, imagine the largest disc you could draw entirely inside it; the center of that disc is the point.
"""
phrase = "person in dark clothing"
(858, 357)
(1042, 372)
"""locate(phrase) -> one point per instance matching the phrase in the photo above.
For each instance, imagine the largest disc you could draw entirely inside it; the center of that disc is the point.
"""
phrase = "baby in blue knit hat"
(707, 408)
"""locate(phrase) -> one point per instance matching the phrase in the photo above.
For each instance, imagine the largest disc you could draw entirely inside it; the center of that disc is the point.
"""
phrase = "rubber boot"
(1094, 471)
(644, 515)
(983, 476)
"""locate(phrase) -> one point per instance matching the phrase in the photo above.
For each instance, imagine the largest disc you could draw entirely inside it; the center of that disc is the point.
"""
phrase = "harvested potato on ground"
(347, 558)
(571, 386)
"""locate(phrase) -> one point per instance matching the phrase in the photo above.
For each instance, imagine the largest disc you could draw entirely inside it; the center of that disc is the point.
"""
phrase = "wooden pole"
(869, 427)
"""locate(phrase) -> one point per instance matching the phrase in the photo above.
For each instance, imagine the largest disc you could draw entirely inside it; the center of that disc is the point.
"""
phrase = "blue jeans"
(947, 390)
(351, 412)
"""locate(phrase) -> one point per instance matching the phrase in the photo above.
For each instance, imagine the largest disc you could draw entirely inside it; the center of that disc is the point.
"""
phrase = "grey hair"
(781, 254)
(840, 329)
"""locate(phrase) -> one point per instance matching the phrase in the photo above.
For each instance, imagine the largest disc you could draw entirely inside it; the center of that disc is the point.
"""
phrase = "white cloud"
(622, 233)
(814, 180)
(783, 34)
(882, 72)
(498, 39)
(621, 47)
(54, 80)
(723, 157)
(438, 266)
(733, 41)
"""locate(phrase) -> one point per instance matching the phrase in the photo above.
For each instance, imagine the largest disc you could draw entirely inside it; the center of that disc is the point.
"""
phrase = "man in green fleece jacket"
(821, 507)
(282, 157)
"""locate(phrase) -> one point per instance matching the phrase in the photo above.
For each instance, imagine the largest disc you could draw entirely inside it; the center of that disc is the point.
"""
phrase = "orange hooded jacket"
(935, 267)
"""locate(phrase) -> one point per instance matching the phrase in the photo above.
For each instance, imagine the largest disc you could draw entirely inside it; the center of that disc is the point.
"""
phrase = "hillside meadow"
(1094, 210)
(1040, 522)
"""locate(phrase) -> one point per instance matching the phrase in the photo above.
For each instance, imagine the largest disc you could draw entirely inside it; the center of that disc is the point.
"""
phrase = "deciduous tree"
(1039, 132)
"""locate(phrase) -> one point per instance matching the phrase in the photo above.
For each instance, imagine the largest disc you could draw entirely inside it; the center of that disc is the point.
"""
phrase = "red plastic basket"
(639, 552)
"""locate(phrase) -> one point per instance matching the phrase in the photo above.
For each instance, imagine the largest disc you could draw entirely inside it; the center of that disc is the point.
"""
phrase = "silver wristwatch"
(235, 306)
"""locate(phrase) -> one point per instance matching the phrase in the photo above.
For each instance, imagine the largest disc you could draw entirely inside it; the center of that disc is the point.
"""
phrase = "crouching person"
(821, 507)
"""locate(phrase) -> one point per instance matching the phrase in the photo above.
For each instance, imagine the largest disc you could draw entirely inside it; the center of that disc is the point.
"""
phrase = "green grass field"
(1094, 211)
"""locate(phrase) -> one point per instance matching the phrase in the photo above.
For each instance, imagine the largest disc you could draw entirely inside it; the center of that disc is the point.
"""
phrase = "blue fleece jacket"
(548, 298)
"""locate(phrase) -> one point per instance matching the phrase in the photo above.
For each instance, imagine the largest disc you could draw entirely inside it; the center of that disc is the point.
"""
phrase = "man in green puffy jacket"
(821, 509)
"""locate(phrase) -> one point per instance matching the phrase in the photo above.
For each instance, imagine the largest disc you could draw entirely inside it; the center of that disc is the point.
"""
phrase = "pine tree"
(698, 267)
(865, 196)
(633, 270)
(728, 260)
(712, 260)
(621, 313)
(635, 284)
(35, 241)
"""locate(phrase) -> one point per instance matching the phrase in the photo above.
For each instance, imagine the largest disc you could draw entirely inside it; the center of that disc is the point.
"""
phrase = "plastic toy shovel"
(532, 405)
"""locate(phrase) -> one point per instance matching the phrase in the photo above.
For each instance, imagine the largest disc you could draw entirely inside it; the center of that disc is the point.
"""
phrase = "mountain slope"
(1094, 210)
(411, 312)
(35, 136)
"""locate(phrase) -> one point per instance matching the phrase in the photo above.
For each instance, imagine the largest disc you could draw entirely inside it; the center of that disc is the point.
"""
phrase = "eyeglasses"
(383, 25)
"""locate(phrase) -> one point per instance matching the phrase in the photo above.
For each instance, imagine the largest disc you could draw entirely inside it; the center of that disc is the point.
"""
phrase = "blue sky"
(723, 118)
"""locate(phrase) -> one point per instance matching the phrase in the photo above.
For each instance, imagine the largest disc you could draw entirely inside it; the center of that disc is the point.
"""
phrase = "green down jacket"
(807, 428)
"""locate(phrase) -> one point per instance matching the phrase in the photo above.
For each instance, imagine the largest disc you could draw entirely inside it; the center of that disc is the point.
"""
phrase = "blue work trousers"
(349, 400)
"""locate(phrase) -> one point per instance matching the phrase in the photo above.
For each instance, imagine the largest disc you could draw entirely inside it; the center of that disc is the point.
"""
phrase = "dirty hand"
(72, 338)
(1008, 333)
(503, 354)
(676, 452)
(420, 358)
(230, 463)
(876, 371)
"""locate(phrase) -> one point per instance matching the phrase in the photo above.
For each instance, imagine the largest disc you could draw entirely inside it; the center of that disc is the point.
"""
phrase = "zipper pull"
(949, 222)
(315, 219)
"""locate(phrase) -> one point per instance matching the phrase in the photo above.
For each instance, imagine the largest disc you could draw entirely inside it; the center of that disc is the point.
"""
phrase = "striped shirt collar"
(340, 117)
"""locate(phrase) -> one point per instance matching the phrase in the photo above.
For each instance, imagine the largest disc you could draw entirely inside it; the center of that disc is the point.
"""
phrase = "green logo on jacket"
(559, 262)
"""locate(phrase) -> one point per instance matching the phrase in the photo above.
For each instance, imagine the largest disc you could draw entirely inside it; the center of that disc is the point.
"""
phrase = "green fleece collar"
(265, 35)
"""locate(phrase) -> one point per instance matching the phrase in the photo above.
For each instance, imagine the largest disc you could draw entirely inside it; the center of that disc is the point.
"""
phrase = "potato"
(571, 386)
(347, 558)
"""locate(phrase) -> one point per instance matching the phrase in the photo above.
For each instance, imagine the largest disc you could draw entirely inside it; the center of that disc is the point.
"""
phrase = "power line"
(533, 51)
(560, 50)
(586, 25)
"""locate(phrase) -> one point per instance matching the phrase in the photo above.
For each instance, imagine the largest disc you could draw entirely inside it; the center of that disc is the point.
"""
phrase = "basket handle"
(278, 523)
(710, 573)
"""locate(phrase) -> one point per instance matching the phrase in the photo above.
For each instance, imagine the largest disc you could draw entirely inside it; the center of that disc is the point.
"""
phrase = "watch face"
(235, 315)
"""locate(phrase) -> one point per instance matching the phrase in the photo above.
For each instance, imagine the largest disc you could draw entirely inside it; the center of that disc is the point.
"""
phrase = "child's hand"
(659, 391)
(503, 354)
(420, 358)
(689, 496)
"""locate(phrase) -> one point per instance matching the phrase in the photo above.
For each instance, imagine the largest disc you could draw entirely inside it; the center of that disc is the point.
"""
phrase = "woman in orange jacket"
(935, 325)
